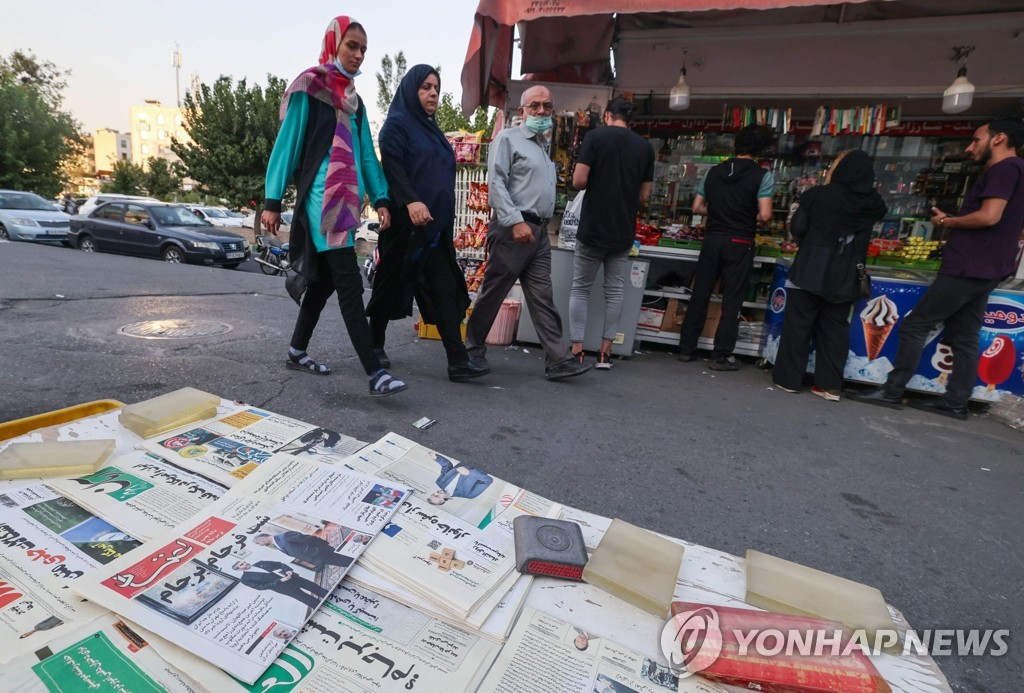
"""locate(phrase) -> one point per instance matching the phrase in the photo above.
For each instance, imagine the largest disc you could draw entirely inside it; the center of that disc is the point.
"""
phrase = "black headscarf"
(833, 227)
(849, 203)
(412, 139)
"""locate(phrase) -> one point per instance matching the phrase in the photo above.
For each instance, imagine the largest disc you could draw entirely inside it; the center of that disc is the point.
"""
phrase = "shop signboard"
(873, 336)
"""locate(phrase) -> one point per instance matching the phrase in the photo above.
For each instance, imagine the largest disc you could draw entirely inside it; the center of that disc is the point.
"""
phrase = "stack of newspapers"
(457, 513)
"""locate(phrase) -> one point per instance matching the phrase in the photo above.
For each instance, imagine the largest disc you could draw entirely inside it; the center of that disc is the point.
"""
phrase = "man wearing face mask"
(521, 178)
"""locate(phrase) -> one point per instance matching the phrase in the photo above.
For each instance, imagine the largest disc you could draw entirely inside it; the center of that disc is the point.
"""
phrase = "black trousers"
(338, 271)
(438, 282)
(959, 302)
(730, 259)
(810, 316)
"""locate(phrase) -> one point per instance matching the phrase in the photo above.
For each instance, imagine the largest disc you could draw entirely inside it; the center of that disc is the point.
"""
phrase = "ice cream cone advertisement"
(878, 318)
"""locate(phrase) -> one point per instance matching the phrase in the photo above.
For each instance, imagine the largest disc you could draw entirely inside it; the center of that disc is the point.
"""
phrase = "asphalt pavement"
(925, 508)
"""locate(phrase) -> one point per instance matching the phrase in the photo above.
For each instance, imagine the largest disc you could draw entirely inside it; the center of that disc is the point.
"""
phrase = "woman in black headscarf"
(417, 256)
(833, 227)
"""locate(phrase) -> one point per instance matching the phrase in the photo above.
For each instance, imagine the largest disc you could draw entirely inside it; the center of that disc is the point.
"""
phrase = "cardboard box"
(711, 322)
(650, 318)
(673, 318)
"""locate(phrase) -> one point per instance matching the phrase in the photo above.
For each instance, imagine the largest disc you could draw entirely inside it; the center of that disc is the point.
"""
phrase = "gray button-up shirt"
(521, 176)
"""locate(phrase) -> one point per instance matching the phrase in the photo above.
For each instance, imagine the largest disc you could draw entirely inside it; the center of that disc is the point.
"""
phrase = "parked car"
(25, 216)
(216, 216)
(366, 237)
(96, 200)
(157, 230)
(286, 223)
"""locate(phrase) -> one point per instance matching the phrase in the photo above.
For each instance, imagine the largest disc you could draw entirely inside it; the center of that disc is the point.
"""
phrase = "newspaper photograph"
(469, 494)
(545, 653)
(237, 582)
(105, 655)
(452, 542)
(227, 448)
(142, 491)
(47, 543)
(362, 641)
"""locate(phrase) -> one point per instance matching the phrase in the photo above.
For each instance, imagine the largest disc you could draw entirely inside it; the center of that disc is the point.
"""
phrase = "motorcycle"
(272, 256)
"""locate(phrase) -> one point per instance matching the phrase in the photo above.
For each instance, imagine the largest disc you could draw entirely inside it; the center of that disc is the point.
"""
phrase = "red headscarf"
(326, 83)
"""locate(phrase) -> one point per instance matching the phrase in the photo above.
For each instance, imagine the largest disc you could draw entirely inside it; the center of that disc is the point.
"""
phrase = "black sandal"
(302, 362)
(385, 384)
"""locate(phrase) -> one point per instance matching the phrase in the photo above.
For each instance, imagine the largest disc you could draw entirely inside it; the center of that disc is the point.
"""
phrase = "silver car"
(25, 216)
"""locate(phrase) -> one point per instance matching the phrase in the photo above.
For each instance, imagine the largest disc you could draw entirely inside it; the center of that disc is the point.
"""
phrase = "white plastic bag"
(570, 222)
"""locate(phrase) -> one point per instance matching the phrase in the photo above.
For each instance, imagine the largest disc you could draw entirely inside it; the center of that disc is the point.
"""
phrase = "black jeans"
(439, 282)
(810, 316)
(338, 271)
(959, 302)
(731, 259)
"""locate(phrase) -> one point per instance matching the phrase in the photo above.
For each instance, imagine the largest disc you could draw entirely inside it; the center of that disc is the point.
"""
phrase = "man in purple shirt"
(980, 253)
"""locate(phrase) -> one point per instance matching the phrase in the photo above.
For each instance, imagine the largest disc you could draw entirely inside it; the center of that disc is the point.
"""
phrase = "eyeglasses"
(537, 105)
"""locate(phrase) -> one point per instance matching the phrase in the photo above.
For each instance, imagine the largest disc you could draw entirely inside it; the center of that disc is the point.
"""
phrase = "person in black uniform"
(735, 195)
(304, 547)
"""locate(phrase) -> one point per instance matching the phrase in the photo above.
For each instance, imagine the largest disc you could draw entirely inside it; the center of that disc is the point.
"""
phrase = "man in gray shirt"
(521, 184)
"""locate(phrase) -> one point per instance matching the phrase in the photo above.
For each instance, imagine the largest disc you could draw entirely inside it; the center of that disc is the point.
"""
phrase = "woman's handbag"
(865, 281)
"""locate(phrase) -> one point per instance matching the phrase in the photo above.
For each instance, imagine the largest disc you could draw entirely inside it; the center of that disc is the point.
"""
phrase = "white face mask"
(337, 64)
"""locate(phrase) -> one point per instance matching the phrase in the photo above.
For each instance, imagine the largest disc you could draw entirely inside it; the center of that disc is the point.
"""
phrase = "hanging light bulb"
(679, 97)
(959, 95)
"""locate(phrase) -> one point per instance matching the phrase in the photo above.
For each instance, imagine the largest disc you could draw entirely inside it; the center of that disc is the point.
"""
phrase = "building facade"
(153, 127)
(110, 146)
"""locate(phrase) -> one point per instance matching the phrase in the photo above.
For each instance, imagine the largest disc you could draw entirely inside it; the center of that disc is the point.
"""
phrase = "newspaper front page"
(47, 544)
(451, 542)
(547, 654)
(237, 582)
(142, 491)
(230, 446)
(107, 655)
(362, 641)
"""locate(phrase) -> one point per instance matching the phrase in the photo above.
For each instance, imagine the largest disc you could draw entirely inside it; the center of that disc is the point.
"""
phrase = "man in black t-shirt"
(735, 195)
(615, 168)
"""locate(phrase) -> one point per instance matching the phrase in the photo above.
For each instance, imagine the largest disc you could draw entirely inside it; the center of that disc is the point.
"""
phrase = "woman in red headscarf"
(325, 145)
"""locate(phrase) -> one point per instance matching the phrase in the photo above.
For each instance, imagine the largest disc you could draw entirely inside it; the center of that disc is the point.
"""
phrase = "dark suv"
(157, 230)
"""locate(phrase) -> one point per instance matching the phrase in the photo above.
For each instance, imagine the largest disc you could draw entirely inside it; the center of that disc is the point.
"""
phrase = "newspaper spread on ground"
(362, 641)
(106, 655)
(494, 625)
(237, 582)
(142, 491)
(230, 446)
(459, 557)
(547, 654)
(47, 543)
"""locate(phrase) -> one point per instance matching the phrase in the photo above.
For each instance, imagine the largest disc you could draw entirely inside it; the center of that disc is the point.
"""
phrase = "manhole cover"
(175, 329)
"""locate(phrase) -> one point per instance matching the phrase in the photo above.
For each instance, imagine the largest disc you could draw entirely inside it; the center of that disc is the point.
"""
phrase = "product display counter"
(895, 292)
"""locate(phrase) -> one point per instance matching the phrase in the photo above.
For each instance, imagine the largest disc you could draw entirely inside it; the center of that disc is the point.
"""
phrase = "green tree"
(163, 178)
(38, 135)
(126, 178)
(449, 116)
(388, 79)
(233, 128)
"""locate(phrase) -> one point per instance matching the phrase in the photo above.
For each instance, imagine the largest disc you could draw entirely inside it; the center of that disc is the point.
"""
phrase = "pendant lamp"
(679, 97)
(959, 95)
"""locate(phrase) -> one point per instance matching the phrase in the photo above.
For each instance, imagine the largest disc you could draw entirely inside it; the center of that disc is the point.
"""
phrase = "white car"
(216, 216)
(25, 216)
(366, 237)
(97, 200)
